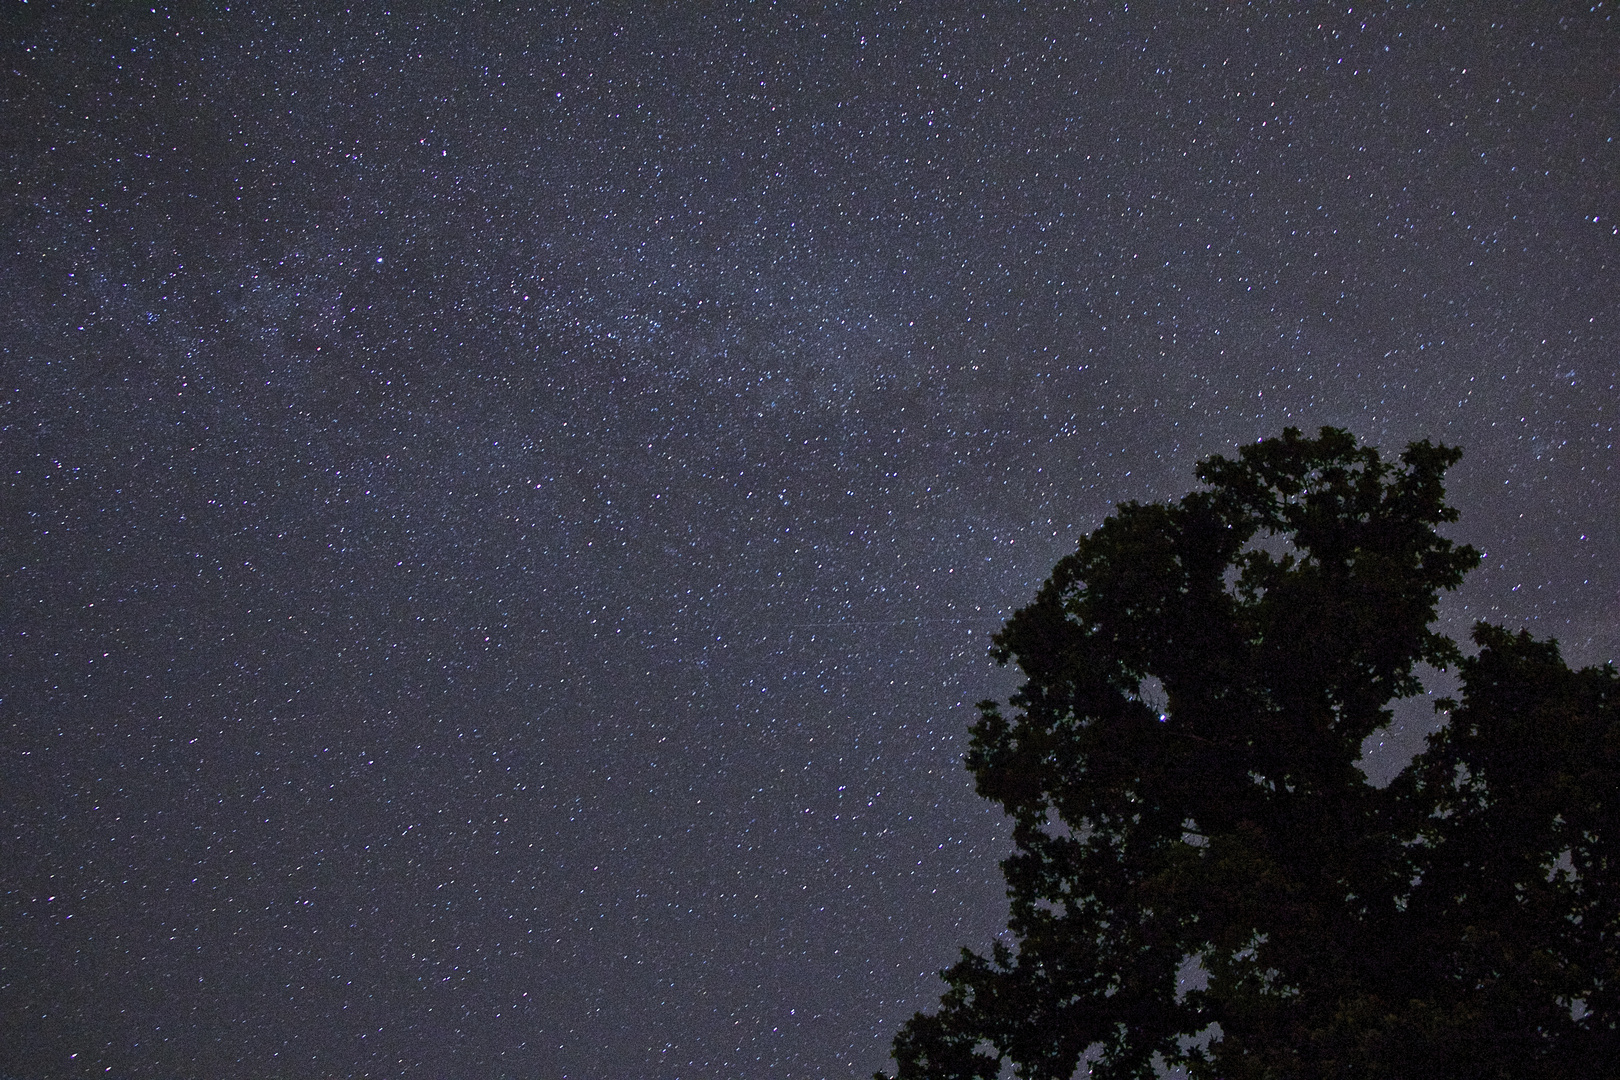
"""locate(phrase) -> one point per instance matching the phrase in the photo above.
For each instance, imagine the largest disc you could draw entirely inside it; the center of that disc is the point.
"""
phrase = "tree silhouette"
(1181, 771)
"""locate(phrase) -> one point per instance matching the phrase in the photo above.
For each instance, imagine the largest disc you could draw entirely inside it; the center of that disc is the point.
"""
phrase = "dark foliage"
(1181, 770)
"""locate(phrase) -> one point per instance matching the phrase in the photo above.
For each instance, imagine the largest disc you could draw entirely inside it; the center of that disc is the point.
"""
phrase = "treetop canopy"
(1202, 875)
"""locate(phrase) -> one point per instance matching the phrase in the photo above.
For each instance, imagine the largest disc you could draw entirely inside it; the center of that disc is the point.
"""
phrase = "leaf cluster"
(1202, 875)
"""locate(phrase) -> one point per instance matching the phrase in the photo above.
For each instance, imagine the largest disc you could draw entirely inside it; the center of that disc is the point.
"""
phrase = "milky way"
(504, 512)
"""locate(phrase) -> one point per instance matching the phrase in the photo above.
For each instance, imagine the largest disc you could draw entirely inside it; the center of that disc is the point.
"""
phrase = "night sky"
(503, 512)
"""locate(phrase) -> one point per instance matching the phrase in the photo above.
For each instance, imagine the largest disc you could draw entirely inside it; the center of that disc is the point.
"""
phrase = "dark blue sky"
(503, 512)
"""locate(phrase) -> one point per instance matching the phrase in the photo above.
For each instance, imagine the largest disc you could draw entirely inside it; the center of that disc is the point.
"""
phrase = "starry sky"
(503, 511)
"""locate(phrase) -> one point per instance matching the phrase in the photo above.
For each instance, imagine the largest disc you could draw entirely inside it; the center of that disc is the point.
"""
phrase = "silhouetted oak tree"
(1181, 771)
